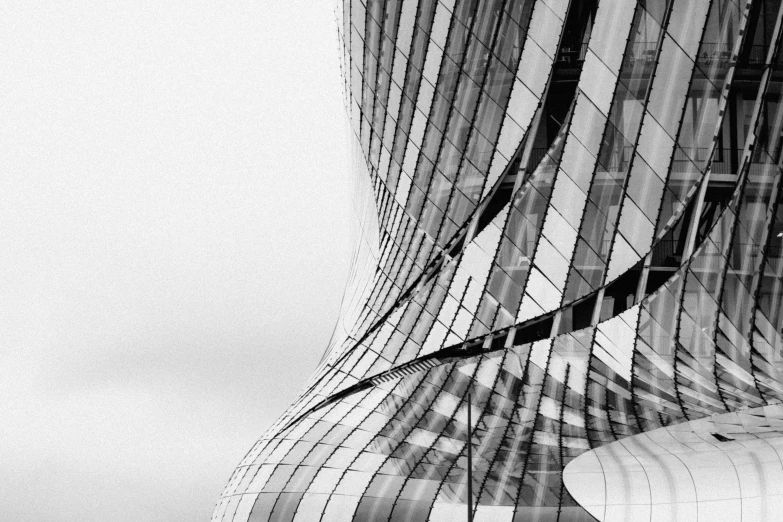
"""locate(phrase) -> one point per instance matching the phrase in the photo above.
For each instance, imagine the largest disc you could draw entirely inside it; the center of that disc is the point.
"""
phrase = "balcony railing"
(572, 54)
(753, 57)
(721, 159)
(619, 159)
(646, 53)
(643, 53)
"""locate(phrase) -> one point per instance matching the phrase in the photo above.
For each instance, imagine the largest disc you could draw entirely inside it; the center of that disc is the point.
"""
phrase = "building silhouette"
(571, 212)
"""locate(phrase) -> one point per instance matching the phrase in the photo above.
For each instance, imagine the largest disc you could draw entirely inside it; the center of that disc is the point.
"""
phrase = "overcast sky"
(174, 207)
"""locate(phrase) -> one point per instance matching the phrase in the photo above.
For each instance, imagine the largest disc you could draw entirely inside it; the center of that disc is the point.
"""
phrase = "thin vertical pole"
(470, 466)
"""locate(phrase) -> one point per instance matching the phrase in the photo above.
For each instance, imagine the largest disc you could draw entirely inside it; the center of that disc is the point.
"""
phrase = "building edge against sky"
(570, 212)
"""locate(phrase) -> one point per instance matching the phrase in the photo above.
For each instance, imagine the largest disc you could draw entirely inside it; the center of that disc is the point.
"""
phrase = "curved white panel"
(725, 468)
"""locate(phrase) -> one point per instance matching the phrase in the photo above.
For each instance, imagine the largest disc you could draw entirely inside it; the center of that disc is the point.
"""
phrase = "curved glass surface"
(569, 234)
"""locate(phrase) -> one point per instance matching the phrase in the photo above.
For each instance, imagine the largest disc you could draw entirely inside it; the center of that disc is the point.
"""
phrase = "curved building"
(566, 298)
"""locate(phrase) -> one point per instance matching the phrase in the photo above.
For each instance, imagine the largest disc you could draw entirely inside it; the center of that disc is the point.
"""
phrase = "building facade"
(566, 298)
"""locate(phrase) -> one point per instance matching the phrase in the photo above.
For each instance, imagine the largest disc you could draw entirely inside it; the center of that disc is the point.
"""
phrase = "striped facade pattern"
(569, 211)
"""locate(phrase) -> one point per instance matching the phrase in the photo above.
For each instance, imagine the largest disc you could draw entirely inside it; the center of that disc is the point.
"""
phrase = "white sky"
(174, 206)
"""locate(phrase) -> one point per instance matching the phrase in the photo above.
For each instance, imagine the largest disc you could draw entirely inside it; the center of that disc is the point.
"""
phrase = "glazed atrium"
(565, 302)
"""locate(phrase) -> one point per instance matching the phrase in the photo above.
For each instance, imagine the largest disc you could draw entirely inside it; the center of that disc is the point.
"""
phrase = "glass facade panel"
(569, 255)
